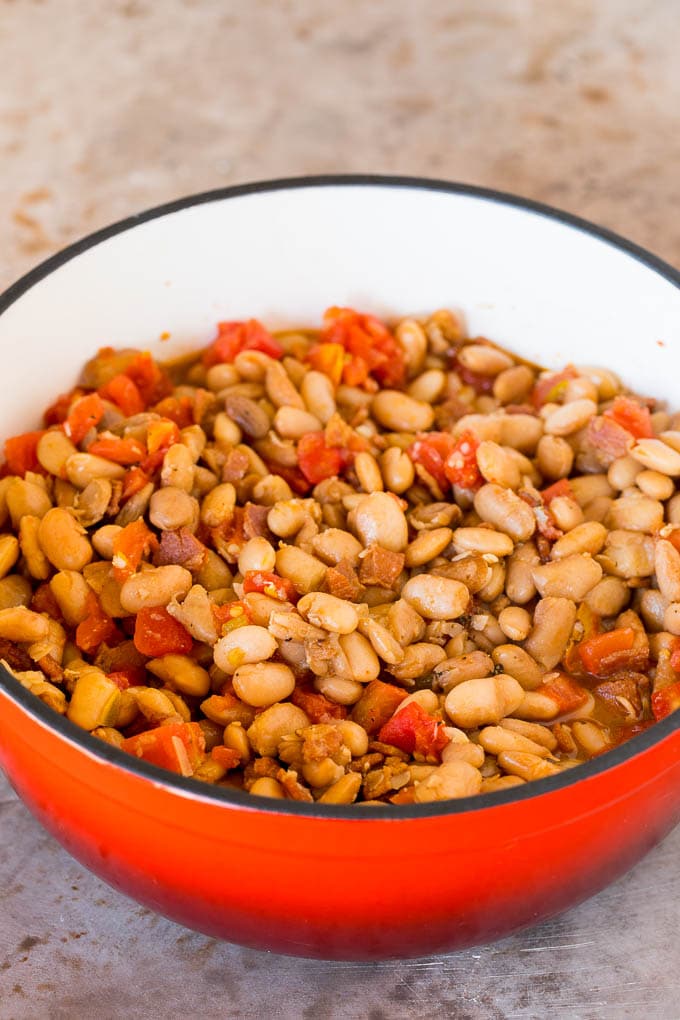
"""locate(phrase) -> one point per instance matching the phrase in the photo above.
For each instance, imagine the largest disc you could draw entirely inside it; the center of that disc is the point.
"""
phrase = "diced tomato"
(266, 583)
(180, 410)
(557, 490)
(550, 388)
(317, 460)
(365, 337)
(675, 656)
(414, 731)
(85, 414)
(565, 692)
(149, 378)
(131, 676)
(158, 633)
(178, 747)
(161, 435)
(123, 392)
(613, 650)
(97, 628)
(120, 451)
(632, 417)
(666, 700)
(57, 413)
(21, 453)
(432, 450)
(134, 481)
(407, 795)
(227, 757)
(330, 359)
(461, 465)
(318, 707)
(377, 705)
(234, 337)
(292, 475)
(129, 547)
(232, 615)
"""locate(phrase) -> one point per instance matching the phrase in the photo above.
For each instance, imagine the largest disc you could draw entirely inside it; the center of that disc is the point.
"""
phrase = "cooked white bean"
(436, 598)
(243, 645)
(398, 412)
(571, 578)
(379, 520)
(481, 701)
(588, 537)
(154, 587)
(262, 684)
(328, 612)
(506, 511)
(570, 417)
(257, 554)
(657, 456)
(485, 541)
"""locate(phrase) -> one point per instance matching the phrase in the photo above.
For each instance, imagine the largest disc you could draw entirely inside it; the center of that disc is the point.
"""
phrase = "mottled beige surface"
(106, 108)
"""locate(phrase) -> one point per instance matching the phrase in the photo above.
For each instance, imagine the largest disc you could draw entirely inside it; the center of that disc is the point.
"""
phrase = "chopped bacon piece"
(235, 466)
(381, 567)
(15, 656)
(183, 548)
(343, 582)
(255, 521)
(607, 439)
(622, 695)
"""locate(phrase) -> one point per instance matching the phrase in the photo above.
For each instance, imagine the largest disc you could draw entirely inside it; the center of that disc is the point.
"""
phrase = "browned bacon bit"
(381, 567)
(607, 440)
(51, 668)
(15, 656)
(343, 582)
(565, 738)
(366, 762)
(295, 790)
(236, 466)
(544, 521)
(255, 521)
(183, 548)
(622, 695)
(321, 741)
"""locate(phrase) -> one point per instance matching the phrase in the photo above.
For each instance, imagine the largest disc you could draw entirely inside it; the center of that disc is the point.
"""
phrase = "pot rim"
(238, 799)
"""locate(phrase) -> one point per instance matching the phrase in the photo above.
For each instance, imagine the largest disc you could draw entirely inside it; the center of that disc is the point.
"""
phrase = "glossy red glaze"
(350, 884)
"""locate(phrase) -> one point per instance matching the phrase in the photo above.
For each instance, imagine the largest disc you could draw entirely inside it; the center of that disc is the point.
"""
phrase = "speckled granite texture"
(108, 108)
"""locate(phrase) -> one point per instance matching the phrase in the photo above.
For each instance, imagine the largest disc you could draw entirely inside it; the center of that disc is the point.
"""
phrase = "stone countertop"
(107, 109)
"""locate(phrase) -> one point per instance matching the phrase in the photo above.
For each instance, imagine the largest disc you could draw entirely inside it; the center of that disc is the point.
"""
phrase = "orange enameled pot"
(317, 880)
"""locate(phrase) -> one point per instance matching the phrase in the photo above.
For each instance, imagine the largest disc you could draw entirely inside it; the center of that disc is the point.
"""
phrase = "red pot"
(317, 880)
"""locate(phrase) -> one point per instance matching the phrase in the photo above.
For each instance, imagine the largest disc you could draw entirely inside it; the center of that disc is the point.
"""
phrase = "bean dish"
(358, 564)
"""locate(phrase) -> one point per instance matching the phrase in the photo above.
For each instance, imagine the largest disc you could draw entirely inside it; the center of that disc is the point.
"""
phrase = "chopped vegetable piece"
(232, 615)
(666, 700)
(178, 747)
(377, 705)
(227, 757)
(432, 450)
(234, 337)
(120, 451)
(149, 378)
(565, 692)
(317, 460)
(134, 481)
(180, 410)
(557, 490)
(266, 583)
(373, 349)
(57, 413)
(415, 732)
(97, 628)
(632, 417)
(161, 435)
(318, 707)
(21, 455)
(85, 414)
(606, 653)
(129, 547)
(549, 389)
(461, 465)
(329, 358)
(157, 633)
(132, 676)
(123, 392)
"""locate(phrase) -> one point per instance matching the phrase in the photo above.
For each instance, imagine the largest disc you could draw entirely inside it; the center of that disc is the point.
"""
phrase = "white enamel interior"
(548, 290)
